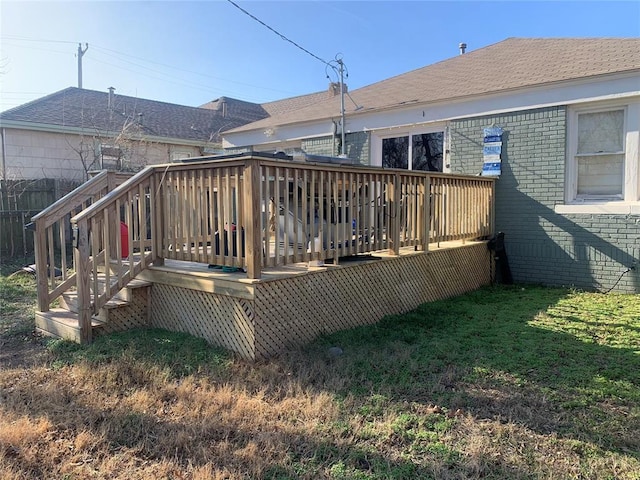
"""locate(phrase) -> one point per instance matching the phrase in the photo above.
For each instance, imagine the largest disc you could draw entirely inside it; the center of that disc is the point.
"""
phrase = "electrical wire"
(180, 69)
(618, 280)
(26, 39)
(171, 79)
(116, 55)
(276, 32)
(9, 43)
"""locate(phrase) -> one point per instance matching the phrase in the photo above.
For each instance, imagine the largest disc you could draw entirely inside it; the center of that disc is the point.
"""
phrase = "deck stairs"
(129, 308)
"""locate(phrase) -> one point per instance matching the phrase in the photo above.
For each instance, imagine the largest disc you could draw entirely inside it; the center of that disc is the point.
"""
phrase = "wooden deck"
(386, 237)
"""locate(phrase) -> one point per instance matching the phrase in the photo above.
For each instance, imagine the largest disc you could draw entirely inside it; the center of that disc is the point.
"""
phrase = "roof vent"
(463, 48)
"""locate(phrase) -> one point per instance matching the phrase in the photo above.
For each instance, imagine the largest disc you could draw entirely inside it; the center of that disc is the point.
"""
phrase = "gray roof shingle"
(512, 64)
(80, 108)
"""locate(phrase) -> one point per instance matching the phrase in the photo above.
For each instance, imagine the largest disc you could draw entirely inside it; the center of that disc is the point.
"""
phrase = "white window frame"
(378, 136)
(630, 201)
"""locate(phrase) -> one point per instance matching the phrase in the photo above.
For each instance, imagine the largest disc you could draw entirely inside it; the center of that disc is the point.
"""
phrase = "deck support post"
(252, 214)
(394, 215)
(82, 254)
(42, 270)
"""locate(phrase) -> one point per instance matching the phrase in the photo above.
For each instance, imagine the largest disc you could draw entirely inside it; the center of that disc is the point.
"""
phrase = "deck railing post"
(111, 181)
(42, 270)
(82, 254)
(252, 214)
(426, 212)
(395, 190)
(492, 208)
(157, 226)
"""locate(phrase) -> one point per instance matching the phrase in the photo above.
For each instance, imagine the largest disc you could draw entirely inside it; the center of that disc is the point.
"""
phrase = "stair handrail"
(103, 246)
(44, 222)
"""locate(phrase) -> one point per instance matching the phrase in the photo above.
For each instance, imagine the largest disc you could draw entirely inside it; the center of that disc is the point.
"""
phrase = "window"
(424, 149)
(600, 154)
(602, 172)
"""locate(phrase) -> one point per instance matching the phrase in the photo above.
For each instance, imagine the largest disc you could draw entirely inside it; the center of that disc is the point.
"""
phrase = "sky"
(190, 53)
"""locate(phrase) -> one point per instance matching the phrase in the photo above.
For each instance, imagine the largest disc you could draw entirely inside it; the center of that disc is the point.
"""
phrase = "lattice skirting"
(133, 315)
(222, 320)
(295, 310)
(289, 312)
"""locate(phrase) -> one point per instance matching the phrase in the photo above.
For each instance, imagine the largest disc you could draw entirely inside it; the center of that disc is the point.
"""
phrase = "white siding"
(35, 154)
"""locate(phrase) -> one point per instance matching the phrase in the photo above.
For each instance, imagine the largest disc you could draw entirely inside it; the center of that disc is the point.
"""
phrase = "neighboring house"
(568, 195)
(71, 132)
(49, 146)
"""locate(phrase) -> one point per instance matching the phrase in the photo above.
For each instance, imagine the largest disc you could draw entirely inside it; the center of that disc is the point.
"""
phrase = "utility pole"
(343, 147)
(81, 52)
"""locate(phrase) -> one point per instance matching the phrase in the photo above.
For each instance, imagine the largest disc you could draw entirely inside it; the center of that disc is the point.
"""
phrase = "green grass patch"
(504, 382)
(576, 355)
(181, 354)
(17, 304)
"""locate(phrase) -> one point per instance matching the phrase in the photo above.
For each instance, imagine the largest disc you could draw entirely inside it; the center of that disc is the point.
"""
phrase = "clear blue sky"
(193, 52)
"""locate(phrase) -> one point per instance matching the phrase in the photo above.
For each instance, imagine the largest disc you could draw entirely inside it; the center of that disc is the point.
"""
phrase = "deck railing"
(253, 212)
(53, 235)
(261, 213)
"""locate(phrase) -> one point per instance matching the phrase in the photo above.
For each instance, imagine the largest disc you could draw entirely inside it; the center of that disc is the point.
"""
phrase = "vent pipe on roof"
(110, 98)
(463, 48)
(224, 108)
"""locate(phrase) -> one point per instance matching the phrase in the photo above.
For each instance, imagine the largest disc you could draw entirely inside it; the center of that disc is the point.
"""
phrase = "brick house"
(568, 111)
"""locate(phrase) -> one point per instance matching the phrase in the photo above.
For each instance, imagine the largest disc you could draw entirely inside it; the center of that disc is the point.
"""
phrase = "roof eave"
(63, 129)
(580, 80)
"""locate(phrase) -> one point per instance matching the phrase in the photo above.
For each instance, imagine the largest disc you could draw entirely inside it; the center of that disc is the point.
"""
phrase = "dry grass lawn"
(520, 383)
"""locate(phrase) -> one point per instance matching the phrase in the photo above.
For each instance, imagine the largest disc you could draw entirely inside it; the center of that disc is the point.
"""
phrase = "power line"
(26, 39)
(171, 79)
(180, 69)
(34, 48)
(116, 54)
(276, 32)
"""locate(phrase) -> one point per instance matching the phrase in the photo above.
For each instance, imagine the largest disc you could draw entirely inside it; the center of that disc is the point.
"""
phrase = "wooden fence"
(19, 201)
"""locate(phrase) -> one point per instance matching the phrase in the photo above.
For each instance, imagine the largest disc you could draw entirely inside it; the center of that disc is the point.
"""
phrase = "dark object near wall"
(503, 272)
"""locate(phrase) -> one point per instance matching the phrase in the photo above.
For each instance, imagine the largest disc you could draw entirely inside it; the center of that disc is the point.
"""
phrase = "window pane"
(601, 132)
(395, 152)
(427, 151)
(600, 175)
